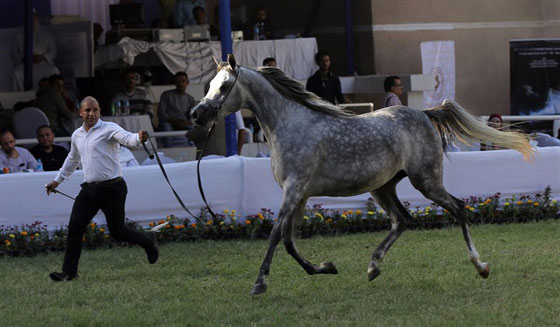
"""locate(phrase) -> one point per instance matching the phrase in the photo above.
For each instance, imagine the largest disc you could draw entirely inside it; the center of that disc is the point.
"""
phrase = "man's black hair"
(41, 127)
(268, 60)
(320, 54)
(389, 82)
(177, 74)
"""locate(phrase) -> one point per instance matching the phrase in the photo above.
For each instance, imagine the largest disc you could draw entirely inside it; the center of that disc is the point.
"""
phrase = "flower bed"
(34, 239)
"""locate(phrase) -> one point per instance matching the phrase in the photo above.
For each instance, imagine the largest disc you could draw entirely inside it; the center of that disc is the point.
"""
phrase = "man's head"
(495, 121)
(323, 60)
(260, 15)
(56, 82)
(90, 111)
(199, 15)
(270, 62)
(7, 141)
(43, 82)
(129, 79)
(45, 136)
(181, 81)
(393, 84)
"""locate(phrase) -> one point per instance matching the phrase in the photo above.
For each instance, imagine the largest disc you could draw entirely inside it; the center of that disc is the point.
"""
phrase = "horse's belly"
(349, 186)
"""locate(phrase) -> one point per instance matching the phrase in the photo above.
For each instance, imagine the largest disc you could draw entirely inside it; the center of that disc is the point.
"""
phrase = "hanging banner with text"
(535, 77)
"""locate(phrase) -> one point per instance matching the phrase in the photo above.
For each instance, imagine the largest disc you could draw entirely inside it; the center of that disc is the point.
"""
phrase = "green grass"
(426, 280)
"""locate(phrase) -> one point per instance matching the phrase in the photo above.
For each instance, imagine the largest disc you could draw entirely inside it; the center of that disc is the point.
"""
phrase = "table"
(247, 185)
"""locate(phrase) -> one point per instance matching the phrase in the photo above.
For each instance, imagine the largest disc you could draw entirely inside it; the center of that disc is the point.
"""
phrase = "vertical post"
(348, 24)
(225, 37)
(28, 45)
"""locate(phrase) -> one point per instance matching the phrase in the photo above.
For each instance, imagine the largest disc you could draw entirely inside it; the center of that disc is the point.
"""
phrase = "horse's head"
(220, 95)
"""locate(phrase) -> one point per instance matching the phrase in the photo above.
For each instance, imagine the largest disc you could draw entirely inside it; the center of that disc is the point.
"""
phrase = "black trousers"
(110, 197)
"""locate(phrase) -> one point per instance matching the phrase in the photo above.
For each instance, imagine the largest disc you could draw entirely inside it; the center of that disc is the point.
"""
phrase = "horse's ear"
(216, 61)
(231, 60)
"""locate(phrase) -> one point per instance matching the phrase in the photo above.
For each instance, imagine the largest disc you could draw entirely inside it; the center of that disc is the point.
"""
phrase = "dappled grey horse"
(317, 149)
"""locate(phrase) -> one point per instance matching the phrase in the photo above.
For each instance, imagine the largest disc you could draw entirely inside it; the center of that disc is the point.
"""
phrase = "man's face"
(199, 16)
(397, 87)
(271, 63)
(261, 16)
(8, 142)
(45, 136)
(495, 122)
(58, 85)
(324, 63)
(181, 83)
(130, 81)
(90, 113)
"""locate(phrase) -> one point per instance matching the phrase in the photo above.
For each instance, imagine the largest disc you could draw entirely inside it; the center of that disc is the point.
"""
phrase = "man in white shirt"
(96, 146)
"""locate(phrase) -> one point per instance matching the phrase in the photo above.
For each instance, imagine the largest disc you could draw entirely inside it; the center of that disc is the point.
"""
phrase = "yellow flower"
(248, 222)
(23, 233)
(370, 213)
(317, 214)
(536, 204)
(471, 209)
(151, 224)
(167, 226)
(92, 225)
(329, 221)
(7, 242)
(343, 216)
(519, 203)
(358, 212)
(177, 227)
(445, 210)
(36, 234)
(481, 204)
(221, 223)
(529, 201)
(226, 211)
(506, 204)
(193, 225)
(12, 235)
(261, 217)
(350, 212)
(168, 218)
(467, 207)
(161, 222)
(381, 211)
(233, 212)
(554, 201)
(32, 237)
(427, 209)
(102, 230)
(488, 201)
(209, 222)
(305, 217)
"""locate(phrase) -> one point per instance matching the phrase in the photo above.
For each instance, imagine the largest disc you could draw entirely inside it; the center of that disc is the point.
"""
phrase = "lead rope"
(151, 156)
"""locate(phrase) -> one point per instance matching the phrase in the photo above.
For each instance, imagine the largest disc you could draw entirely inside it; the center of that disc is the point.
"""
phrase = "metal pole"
(225, 37)
(348, 23)
(28, 45)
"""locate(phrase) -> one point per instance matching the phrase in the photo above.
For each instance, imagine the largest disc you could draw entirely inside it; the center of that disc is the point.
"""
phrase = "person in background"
(494, 121)
(126, 158)
(96, 146)
(13, 157)
(52, 156)
(57, 82)
(393, 89)
(325, 83)
(200, 18)
(138, 101)
(51, 101)
(44, 52)
(258, 27)
(183, 12)
(269, 62)
(174, 108)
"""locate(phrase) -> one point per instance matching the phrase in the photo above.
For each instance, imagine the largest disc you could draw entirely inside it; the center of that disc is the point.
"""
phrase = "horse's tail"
(455, 123)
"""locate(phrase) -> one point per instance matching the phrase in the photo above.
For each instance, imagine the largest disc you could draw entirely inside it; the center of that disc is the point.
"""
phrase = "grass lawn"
(426, 280)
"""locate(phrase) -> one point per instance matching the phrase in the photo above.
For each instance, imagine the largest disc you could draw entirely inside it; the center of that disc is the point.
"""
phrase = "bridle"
(214, 107)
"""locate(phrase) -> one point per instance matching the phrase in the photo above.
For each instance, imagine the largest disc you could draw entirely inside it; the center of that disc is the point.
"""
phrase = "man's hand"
(51, 186)
(143, 135)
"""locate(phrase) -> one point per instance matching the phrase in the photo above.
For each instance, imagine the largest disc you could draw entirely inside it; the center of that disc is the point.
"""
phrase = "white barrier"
(247, 185)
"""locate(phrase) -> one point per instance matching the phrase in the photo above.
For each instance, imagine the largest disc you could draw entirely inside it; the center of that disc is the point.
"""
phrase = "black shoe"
(153, 249)
(62, 276)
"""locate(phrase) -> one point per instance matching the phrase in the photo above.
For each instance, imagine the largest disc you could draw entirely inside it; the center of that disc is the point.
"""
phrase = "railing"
(353, 105)
(555, 118)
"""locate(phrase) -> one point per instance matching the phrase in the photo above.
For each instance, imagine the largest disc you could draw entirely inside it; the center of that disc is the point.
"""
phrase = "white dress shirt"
(98, 152)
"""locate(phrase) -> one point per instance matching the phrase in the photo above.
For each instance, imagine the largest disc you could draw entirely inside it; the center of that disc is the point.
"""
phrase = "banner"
(438, 58)
(535, 77)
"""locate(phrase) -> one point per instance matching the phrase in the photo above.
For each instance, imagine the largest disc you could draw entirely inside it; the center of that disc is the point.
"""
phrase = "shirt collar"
(97, 125)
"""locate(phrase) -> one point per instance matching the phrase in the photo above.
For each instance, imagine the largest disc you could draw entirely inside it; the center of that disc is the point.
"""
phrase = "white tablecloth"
(246, 185)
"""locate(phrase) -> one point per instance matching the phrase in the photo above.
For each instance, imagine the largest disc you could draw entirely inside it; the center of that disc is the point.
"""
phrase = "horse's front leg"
(288, 230)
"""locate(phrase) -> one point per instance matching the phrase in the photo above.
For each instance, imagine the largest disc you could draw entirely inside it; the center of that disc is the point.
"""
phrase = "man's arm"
(70, 164)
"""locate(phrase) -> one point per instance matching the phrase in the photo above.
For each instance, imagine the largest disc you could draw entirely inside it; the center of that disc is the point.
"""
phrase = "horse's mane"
(295, 91)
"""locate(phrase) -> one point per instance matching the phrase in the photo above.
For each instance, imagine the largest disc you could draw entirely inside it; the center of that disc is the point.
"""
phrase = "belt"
(108, 182)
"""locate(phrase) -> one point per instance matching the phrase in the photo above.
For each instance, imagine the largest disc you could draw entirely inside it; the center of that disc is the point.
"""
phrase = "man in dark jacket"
(324, 83)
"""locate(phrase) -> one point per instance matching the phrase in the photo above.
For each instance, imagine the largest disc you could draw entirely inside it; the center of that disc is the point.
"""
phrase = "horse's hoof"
(258, 289)
(485, 271)
(327, 268)
(372, 272)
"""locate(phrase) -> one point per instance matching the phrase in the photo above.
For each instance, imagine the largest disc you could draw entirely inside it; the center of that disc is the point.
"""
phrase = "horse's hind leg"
(437, 193)
(386, 197)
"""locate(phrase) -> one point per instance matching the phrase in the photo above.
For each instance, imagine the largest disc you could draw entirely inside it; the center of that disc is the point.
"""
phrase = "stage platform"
(247, 185)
